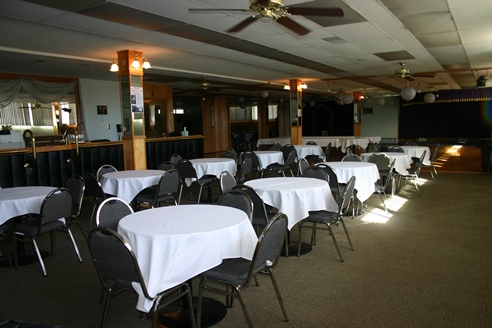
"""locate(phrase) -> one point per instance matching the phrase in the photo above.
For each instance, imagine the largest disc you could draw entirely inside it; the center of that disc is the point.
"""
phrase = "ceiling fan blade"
(207, 10)
(292, 25)
(242, 25)
(329, 12)
(429, 75)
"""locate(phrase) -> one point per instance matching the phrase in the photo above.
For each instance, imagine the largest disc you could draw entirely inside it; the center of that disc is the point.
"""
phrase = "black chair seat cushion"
(322, 217)
(31, 228)
(234, 271)
(148, 196)
(206, 179)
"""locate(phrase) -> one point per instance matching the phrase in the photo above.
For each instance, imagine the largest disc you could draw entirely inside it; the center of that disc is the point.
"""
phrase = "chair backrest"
(56, 205)
(410, 143)
(255, 162)
(291, 158)
(381, 160)
(434, 154)
(317, 173)
(259, 208)
(237, 199)
(114, 260)
(311, 142)
(276, 146)
(351, 158)
(346, 195)
(419, 164)
(396, 149)
(106, 168)
(286, 150)
(231, 154)
(186, 169)
(372, 147)
(246, 168)
(327, 151)
(333, 179)
(76, 186)
(270, 244)
(166, 165)
(111, 211)
(303, 165)
(227, 181)
(168, 183)
(93, 188)
(175, 158)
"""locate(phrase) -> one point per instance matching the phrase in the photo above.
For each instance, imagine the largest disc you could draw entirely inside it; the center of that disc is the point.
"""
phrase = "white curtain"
(43, 92)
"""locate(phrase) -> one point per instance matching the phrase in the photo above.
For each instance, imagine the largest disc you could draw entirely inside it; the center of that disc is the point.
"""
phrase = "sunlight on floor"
(379, 215)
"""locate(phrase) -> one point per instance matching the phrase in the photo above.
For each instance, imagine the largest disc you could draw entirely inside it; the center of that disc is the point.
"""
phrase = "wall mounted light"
(145, 63)
(286, 87)
(114, 66)
(135, 62)
(303, 85)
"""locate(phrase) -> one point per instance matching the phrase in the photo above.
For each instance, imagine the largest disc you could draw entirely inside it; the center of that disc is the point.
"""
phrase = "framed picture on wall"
(102, 110)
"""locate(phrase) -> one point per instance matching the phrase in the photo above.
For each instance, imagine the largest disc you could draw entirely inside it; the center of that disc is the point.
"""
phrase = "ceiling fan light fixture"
(114, 66)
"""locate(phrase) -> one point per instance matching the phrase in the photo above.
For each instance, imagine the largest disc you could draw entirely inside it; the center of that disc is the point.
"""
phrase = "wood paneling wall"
(216, 127)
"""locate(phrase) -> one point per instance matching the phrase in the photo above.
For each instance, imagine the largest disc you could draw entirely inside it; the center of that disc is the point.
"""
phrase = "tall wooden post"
(295, 96)
(132, 110)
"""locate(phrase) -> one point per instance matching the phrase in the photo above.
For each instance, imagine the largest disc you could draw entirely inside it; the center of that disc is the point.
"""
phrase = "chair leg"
(279, 296)
(244, 308)
(74, 244)
(382, 199)
(346, 233)
(199, 194)
(107, 303)
(335, 242)
(40, 258)
(180, 192)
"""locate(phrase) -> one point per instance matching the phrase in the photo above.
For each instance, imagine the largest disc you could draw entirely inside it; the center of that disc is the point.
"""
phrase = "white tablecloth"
(403, 161)
(305, 150)
(267, 157)
(366, 174)
(127, 184)
(416, 151)
(176, 243)
(21, 200)
(295, 197)
(212, 166)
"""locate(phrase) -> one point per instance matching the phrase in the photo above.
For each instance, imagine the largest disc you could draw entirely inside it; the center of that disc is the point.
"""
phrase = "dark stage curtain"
(446, 120)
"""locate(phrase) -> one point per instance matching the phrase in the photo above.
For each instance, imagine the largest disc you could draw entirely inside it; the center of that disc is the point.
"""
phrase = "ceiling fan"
(275, 10)
(35, 105)
(404, 73)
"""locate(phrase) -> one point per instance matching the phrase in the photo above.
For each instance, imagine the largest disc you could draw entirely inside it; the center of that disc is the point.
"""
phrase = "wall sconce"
(114, 66)
(303, 85)
(286, 87)
(145, 63)
(135, 62)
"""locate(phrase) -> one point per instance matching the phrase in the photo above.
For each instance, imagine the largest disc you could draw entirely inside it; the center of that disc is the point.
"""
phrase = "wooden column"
(263, 118)
(295, 112)
(132, 110)
(216, 124)
(357, 114)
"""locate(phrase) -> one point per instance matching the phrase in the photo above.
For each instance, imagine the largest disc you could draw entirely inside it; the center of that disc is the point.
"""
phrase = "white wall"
(92, 94)
(384, 119)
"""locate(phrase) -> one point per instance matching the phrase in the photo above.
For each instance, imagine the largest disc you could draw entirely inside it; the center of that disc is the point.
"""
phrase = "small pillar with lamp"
(295, 96)
(130, 71)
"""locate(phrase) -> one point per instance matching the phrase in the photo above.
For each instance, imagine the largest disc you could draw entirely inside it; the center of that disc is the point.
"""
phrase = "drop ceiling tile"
(442, 39)
(401, 8)
(429, 23)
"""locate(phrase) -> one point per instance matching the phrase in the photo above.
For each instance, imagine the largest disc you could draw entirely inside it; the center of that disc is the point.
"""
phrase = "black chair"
(6, 233)
(286, 150)
(187, 171)
(231, 153)
(333, 180)
(316, 172)
(261, 213)
(383, 162)
(245, 169)
(175, 158)
(255, 162)
(329, 218)
(302, 166)
(412, 173)
(106, 168)
(433, 158)
(96, 195)
(237, 273)
(381, 186)
(311, 142)
(280, 169)
(163, 191)
(237, 199)
(57, 205)
(395, 149)
(111, 211)
(351, 158)
(76, 186)
(118, 269)
(166, 166)
(327, 152)
(227, 181)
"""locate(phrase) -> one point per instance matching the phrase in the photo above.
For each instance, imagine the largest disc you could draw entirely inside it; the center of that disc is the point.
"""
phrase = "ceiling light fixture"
(114, 66)
(408, 92)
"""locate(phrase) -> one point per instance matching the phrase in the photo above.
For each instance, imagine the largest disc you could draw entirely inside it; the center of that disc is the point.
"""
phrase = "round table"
(267, 157)
(366, 175)
(212, 166)
(296, 196)
(21, 200)
(403, 161)
(127, 184)
(417, 151)
(306, 150)
(175, 243)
